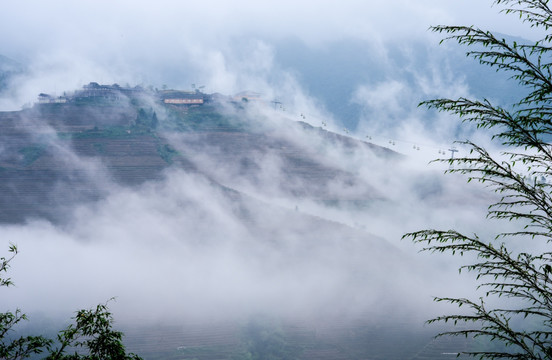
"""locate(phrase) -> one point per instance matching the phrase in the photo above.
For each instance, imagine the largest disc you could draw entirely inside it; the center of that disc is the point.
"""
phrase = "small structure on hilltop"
(178, 97)
(107, 92)
(48, 99)
(44, 98)
(94, 91)
(247, 96)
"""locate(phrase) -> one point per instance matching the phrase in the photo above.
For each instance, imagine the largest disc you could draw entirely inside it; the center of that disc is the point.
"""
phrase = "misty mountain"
(255, 225)
(236, 208)
(336, 74)
(333, 73)
(116, 140)
(8, 69)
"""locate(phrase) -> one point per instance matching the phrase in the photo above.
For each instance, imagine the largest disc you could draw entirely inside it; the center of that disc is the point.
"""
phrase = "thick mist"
(301, 215)
(250, 231)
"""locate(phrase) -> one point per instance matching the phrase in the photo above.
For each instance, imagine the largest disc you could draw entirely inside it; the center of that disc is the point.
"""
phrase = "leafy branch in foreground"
(22, 347)
(520, 281)
(5, 264)
(90, 338)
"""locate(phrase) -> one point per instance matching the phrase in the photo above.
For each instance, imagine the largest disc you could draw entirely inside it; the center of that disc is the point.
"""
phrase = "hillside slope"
(56, 155)
(213, 199)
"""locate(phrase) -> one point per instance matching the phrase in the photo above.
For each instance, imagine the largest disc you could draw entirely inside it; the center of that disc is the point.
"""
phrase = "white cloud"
(180, 241)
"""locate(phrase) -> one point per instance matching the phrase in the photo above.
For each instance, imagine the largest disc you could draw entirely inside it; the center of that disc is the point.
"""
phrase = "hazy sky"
(240, 45)
(230, 46)
(142, 41)
(144, 26)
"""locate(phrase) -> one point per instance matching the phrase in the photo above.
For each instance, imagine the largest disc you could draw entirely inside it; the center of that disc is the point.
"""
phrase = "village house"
(176, 97)
(48, 99)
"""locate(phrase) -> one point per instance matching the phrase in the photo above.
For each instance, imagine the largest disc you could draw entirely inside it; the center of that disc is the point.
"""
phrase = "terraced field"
(57, 155)
(53, 181)
(302, 172)
(54, 157)
(311, 340)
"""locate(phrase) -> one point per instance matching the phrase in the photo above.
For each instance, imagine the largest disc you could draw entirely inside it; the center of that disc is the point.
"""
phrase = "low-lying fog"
(217, 244)
(221, 244)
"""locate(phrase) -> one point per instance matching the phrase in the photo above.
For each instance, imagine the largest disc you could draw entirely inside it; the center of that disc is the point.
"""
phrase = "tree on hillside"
(91, 337)
(521, 175)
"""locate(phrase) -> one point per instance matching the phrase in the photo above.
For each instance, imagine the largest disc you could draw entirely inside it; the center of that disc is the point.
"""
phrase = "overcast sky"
(228, 46)
(37, 26)
(130, 39)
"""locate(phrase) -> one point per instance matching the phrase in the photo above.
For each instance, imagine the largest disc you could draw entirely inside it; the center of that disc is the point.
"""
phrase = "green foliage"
(202, 118)
(146, 119)
(5, 265)
(99, 148)
(96, 101)
(110, 132)
(22, 347)
(31, 154)
(522, 279)
(265, 340)
(91, 337)
(166, 152)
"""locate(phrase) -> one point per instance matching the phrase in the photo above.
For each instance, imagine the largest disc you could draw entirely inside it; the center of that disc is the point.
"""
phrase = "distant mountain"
(333, 73)
(8, 69)
(225, 186)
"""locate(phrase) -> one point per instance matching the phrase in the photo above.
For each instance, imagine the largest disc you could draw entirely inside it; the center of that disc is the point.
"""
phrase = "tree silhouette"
(90, 338)
(522, 280)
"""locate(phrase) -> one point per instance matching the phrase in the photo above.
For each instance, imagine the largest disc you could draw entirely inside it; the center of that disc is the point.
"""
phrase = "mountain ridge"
(132, 146)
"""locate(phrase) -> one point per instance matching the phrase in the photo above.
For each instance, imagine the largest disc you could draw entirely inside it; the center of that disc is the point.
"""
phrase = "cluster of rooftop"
(115, 92)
